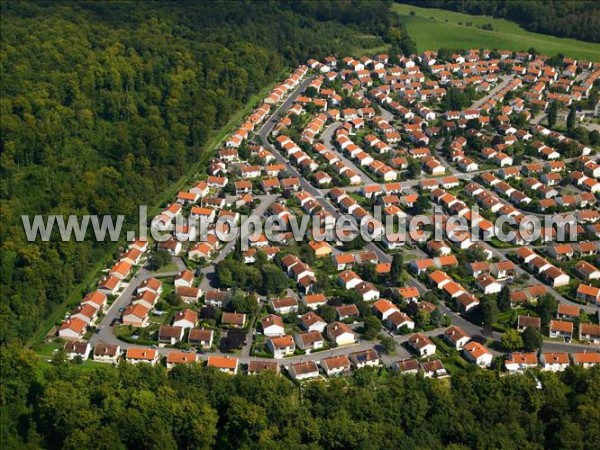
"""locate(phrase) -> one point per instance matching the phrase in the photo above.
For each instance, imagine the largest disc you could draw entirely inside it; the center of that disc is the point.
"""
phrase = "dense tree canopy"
(141, 407)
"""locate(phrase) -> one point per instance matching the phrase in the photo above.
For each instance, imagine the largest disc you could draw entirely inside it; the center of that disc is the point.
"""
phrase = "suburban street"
(105, 332)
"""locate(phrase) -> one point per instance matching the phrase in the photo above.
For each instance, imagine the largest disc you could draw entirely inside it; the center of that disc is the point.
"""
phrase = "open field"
(432, 29)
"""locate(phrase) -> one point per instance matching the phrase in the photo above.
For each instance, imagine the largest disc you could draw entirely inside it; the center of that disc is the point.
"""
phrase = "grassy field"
(432, 29)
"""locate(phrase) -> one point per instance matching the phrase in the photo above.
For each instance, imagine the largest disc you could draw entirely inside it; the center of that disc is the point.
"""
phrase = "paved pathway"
(106, 334)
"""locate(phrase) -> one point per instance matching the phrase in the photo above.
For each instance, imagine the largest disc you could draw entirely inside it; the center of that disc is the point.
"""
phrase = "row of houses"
(94, 303)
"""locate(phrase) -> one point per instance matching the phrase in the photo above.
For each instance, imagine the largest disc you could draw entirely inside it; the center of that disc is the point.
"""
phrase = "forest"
(143, 407)
(578, 19)
(105, 105)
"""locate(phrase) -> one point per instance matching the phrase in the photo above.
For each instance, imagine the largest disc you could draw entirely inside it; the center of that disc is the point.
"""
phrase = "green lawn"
(430, 30)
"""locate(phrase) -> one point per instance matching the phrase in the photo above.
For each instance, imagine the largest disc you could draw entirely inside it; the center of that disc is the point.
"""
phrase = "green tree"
(388, 344)
(532, 339)
(397, 267)
(571, 118)
(160, 259)
(504, 298)
(242, 302)
(422, 319)
(371, 327)
(327, 313)
(512, 340)
(546, 307)
(274, 279)
(489, 311)
(552, 114)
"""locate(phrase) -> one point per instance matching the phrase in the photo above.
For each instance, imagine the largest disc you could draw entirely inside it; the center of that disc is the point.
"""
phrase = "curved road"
(105, 332)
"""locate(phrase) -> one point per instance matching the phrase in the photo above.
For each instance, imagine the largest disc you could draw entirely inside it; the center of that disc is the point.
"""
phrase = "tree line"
(578, 19)
(141, 407)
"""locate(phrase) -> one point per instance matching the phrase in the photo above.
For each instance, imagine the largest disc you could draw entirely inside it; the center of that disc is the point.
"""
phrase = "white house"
(422, 344)
(106, 353)
(554, 362)
(336, 365)
(281, 346)
(272, 325)
(476, 353)
(74, 349)
(303, 370)
(340, 334)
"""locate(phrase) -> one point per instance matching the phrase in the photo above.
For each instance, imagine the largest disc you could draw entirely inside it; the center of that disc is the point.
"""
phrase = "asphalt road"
(106, 334)
(327, 138)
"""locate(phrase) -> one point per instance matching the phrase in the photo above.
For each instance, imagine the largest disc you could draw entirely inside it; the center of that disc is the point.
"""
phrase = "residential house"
(312, 322)
(107, 353)
(233, 319)
(365, 358)
(476, 353)
(589, 332)
(142, 355)
(340, 334)
(224, 364)
(272, 325)
(281, 346)
(560, 328)
(303, 370)
(422, 344)
(75, 349)
(170, 334)
(336, 365)
(201, 337)
(175, 358)
(518, 362)
(185, 319)
(554, 362)
(456, 337)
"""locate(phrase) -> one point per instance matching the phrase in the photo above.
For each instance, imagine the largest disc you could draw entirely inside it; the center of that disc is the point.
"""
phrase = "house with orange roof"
(175, 358)
(142, 355)
(96, 299)
(132, 256)
(554, 362)
(588, 293)
(340, 334)
(408, 293)
(281, 346)
(518, 362)
(476, 353)
(587, 271)
(568, 312)
(109, 285)
(135, 315)
(420, 266)
(224, 364)
(185, 319)
(586, 359)
(87, 313)
(336, 365)
(560, 328)
(320, 248)
(121, 270)
(383, 308)
(72, 329)
(313, 301)
(272, 325)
